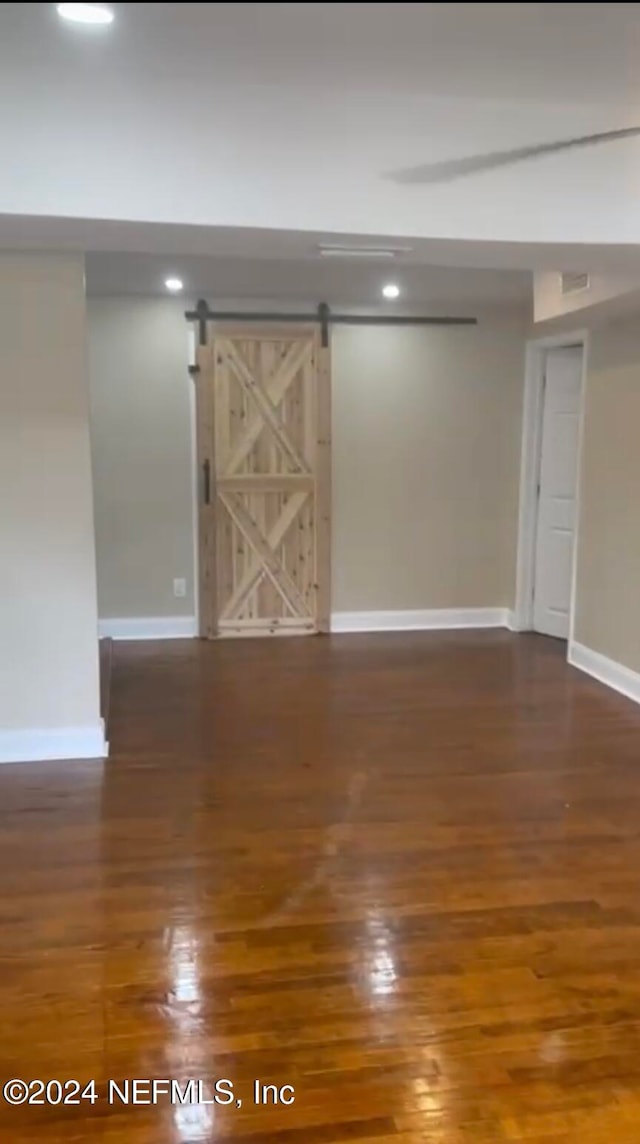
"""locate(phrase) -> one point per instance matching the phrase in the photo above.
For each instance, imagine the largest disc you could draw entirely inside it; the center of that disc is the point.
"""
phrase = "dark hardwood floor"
(400, 873)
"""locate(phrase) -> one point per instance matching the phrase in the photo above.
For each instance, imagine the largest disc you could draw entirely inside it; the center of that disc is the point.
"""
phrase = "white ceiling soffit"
(179, 241)
(341, 283)
(295, 116)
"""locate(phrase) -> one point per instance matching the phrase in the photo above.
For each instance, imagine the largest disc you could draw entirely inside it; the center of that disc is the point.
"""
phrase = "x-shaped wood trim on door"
(263, 538)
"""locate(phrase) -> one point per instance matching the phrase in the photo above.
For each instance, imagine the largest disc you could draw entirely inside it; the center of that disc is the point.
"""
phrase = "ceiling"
(294, 118)
(520, 52)
(349, 283)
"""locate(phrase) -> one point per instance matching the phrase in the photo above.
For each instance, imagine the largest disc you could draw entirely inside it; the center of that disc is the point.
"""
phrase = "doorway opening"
(549, 486)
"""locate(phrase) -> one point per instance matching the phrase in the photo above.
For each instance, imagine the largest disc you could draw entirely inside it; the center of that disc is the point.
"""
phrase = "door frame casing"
(531, 452)
(192, 358)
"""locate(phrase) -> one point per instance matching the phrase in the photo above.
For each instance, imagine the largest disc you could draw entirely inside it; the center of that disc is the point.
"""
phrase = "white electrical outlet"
(179, 588)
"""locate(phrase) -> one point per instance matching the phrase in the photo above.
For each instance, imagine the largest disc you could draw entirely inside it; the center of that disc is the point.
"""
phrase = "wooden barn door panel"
(266, 403)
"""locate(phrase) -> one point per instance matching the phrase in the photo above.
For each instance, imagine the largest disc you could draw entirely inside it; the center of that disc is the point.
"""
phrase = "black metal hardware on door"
(206, 473)
(323, 315)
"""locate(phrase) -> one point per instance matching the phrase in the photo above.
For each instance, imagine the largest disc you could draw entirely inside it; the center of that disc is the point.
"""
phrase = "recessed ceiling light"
(391, 290)
(86, 13)
(174, 285)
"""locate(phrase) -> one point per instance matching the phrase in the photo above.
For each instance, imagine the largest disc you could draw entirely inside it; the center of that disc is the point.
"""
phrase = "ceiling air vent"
(343, 250)
(573, 283)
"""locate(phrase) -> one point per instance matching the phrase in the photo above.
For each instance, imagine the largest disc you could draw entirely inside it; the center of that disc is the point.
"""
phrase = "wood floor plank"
(397, 872)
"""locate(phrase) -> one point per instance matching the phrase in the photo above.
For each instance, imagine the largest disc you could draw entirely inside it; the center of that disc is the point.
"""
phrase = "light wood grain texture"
(269, 474)
(297, 351)
(265, 482)
(279, 577)
(276, 536)
(323, 490)
(396, 871)
(253, 388)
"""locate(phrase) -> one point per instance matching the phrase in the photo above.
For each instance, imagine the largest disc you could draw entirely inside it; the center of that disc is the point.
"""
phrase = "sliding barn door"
(264, 456)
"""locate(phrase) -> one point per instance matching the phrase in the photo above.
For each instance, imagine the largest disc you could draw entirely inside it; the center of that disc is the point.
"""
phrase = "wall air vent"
(574, 283)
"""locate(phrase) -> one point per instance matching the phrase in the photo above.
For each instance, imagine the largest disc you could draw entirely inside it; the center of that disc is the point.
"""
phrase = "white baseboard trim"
(149, 628)
(606, 670)
(35, 745)
(430, 619)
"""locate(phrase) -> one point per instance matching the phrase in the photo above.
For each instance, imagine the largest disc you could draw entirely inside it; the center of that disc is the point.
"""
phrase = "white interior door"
(556, 525)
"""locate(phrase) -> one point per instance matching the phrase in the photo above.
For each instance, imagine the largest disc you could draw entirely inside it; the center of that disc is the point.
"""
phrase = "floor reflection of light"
(430, 1098)
(193, 1121)
(428, 1101)
(380, 962)
(183, 966)
(382, 973)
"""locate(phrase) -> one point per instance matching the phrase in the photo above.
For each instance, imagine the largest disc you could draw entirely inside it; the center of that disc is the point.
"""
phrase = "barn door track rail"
(324, 316)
